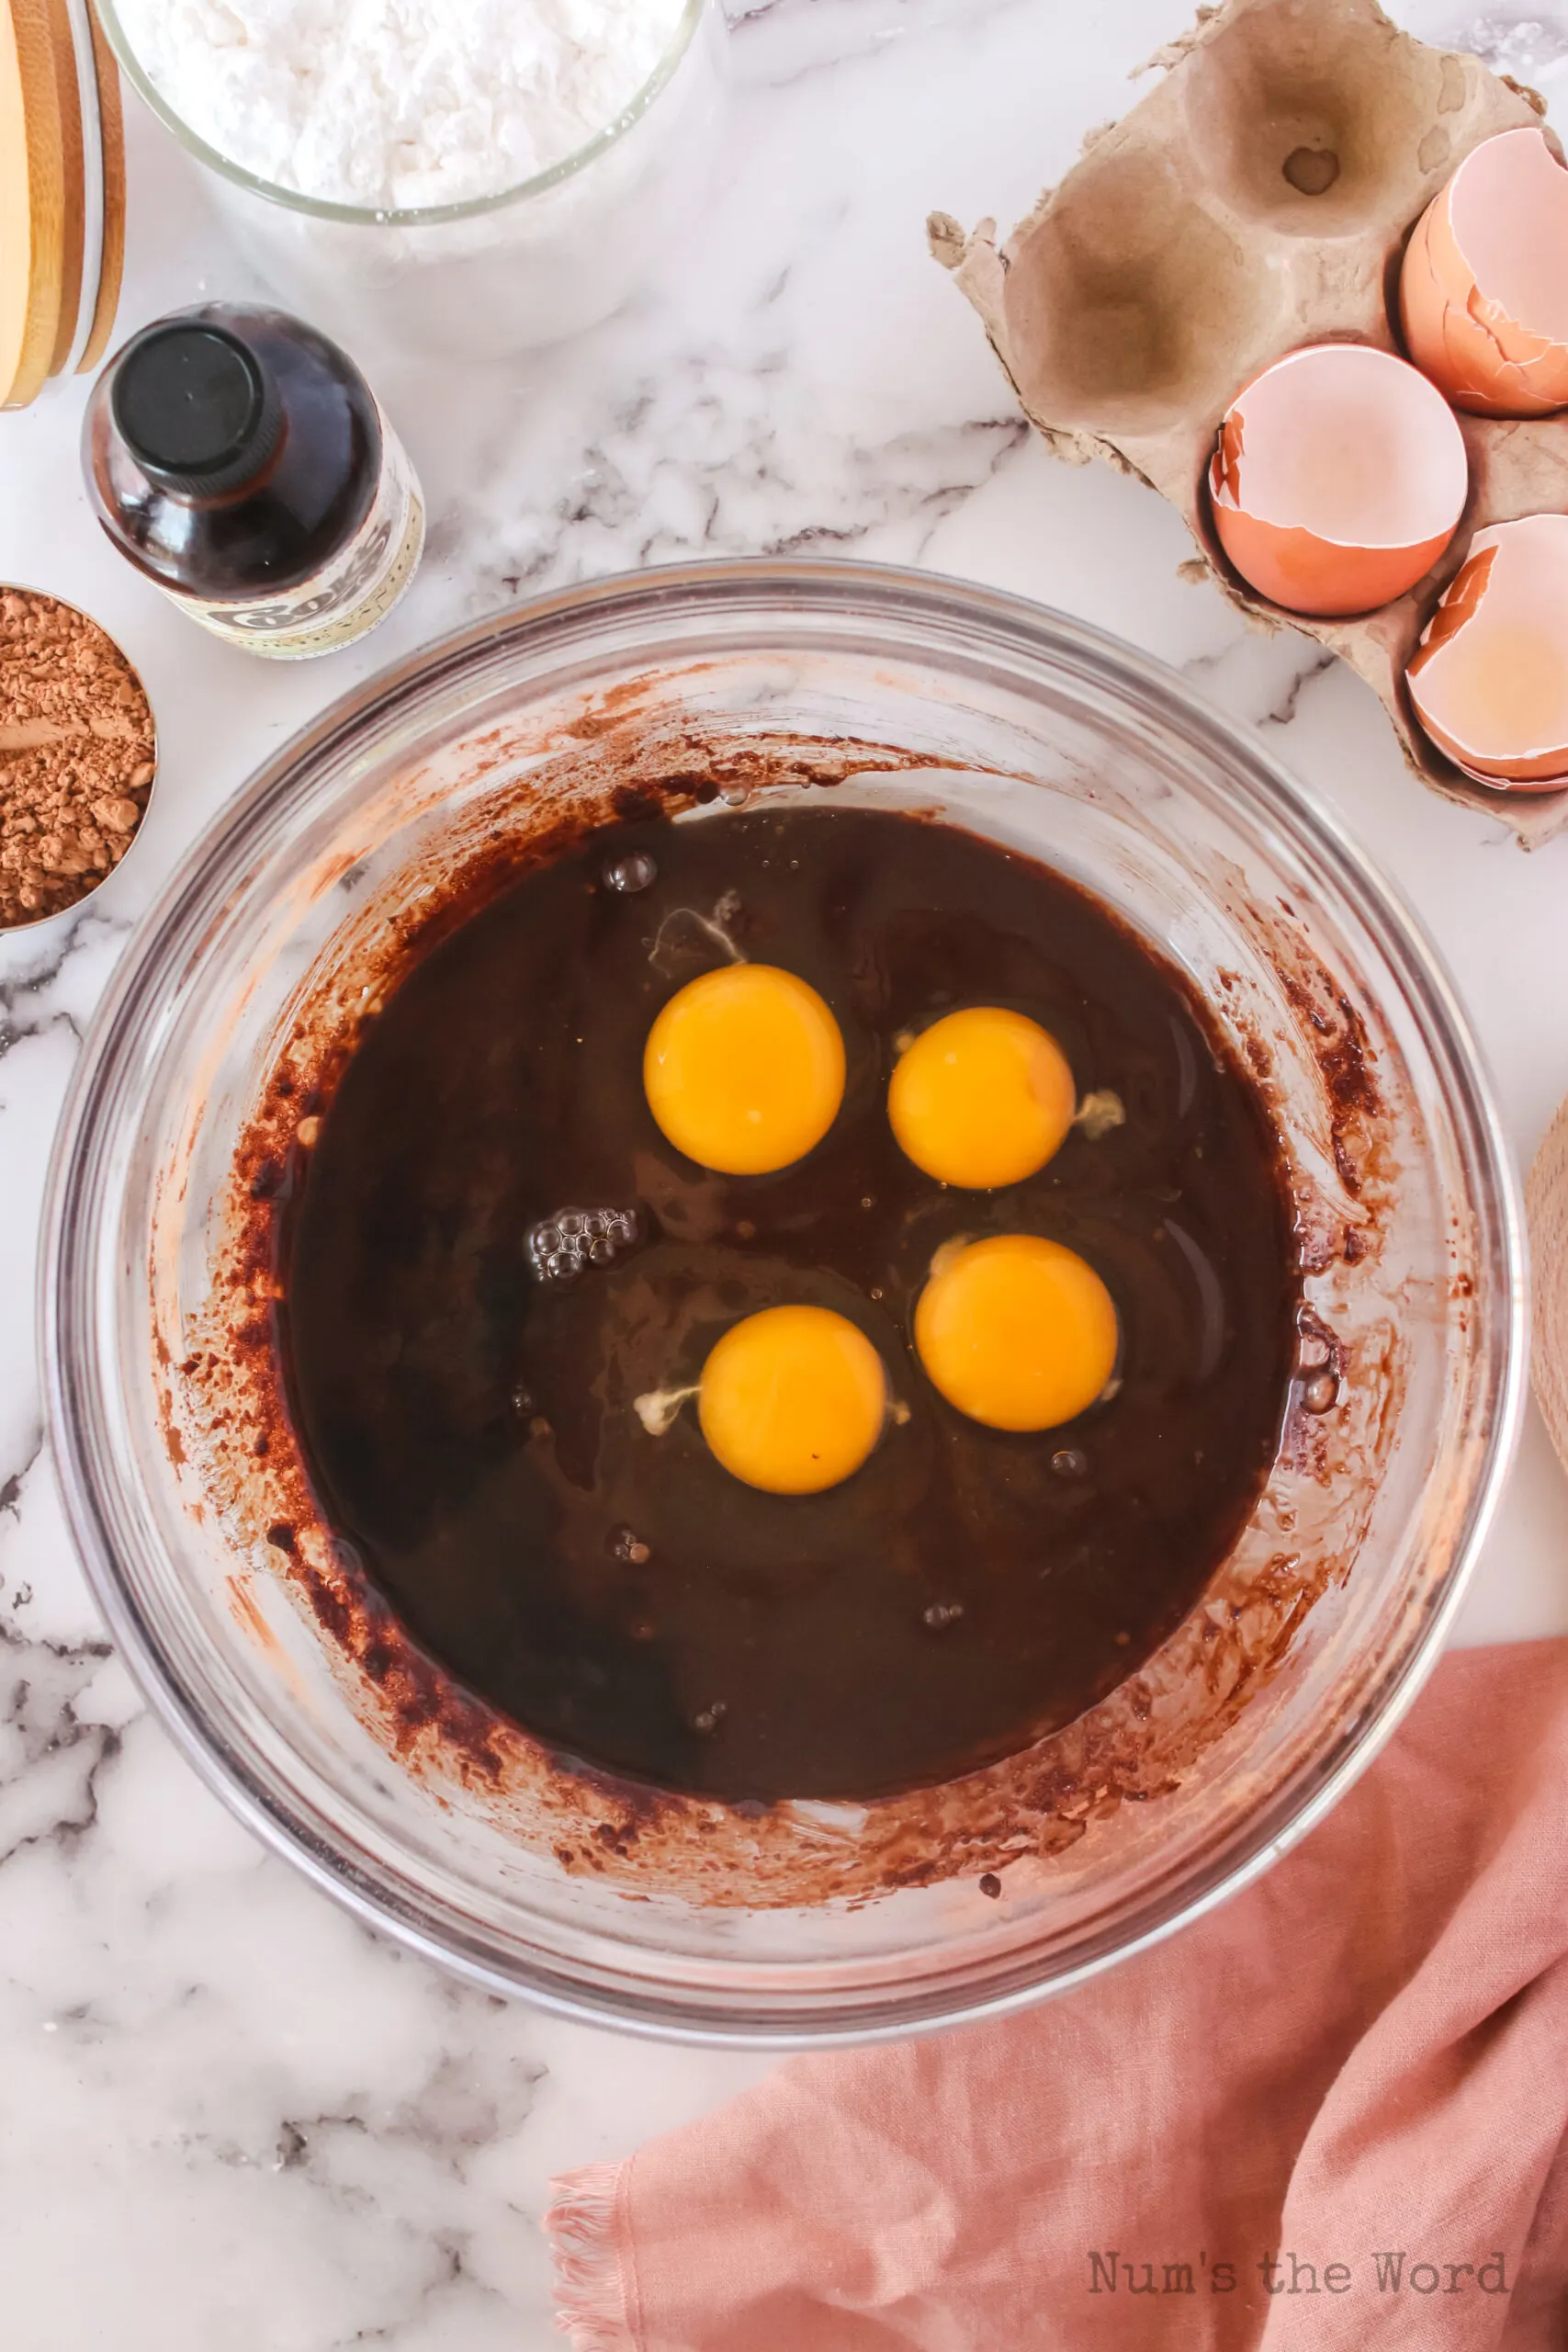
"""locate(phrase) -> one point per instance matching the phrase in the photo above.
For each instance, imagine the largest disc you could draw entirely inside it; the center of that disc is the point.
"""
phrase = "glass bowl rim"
(364, 216)
(873, 592)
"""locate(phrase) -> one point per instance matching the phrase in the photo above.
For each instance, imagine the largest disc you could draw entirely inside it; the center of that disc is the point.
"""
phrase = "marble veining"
(230, 2120)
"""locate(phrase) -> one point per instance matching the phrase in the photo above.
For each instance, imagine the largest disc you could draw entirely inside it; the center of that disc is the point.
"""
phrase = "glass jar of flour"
(473, 176)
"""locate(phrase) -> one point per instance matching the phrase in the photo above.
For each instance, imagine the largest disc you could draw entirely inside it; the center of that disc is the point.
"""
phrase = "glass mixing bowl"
(793, 1927)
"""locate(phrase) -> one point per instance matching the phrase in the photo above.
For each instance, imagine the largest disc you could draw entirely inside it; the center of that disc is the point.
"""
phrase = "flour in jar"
(394, 104)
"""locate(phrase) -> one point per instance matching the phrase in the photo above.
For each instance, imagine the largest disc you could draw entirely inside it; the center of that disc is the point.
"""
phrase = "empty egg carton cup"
(1258, 199)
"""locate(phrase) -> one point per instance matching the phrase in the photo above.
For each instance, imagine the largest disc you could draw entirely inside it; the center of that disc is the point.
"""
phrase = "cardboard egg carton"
(1261, 197)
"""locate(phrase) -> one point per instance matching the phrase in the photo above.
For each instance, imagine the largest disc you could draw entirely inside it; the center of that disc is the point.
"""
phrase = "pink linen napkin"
(1332, 2114)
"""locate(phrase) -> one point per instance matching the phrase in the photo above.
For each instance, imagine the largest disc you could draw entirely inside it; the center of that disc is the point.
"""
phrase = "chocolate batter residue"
(468, 1418)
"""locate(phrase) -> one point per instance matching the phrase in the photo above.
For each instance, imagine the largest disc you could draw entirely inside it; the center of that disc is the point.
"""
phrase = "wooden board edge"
(68, 97)
(111, 270)
(30, 128)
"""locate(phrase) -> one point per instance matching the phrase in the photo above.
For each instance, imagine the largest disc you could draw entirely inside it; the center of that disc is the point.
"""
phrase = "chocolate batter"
(462, 1358)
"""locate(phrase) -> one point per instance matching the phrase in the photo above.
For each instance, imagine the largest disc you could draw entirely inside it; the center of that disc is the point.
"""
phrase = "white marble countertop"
(230, 2120)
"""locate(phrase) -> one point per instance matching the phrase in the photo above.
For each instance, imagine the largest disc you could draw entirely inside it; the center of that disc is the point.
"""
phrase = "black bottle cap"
(197, 407)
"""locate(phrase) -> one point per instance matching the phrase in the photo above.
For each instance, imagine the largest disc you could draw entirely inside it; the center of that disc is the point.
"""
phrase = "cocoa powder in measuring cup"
(77, 755)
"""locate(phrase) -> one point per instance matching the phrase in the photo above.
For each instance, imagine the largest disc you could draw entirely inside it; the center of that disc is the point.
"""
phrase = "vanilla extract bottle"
(240, 461)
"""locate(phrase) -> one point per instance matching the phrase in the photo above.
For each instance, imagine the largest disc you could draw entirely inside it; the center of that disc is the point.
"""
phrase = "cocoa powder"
(77, 755)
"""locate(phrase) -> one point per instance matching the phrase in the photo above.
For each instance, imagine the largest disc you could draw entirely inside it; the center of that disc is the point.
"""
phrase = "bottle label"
(349, 595)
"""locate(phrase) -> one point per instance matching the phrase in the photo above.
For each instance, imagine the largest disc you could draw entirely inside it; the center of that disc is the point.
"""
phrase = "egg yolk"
(792, 1399)
(744, 1069)
(982, 1098)
(1017, 1332)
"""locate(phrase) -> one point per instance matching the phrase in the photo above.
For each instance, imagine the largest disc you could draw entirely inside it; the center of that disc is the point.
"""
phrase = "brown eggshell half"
(1337, 480)
(1483, 285)
(1489, 681)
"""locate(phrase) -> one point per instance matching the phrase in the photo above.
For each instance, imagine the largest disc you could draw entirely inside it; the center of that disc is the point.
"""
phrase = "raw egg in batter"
(793, 1400)
(744, 1069)
(491, 1363)
(1015, 1331)
(982, 1098)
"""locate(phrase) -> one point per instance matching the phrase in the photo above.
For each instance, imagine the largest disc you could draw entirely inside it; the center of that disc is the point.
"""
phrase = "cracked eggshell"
(1489, 681)
(1338, 479)
(1484, 286)
(1259, 199)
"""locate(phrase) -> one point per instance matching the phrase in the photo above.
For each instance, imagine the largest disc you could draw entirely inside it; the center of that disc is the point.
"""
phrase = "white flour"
(394, 103)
